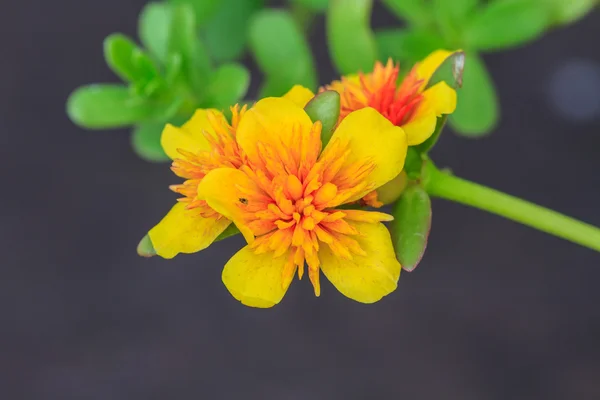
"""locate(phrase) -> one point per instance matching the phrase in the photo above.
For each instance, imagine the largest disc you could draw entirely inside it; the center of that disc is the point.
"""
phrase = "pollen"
(292, 208)
(224, 152)
(380, 90)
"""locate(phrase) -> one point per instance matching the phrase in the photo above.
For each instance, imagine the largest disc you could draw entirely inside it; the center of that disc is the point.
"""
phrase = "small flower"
(287, 199)
(204, 143)
(407, 104)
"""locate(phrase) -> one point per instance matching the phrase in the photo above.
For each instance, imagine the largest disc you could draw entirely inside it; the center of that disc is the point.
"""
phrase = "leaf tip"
(145, 248)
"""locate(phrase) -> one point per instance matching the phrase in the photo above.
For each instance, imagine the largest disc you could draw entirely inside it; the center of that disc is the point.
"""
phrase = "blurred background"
(495, 310)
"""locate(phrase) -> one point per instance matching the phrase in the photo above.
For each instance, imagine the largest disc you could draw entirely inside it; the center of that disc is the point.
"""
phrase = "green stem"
(446, 186)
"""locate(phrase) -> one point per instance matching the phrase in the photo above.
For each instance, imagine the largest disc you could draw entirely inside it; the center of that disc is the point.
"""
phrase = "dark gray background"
(495, 311)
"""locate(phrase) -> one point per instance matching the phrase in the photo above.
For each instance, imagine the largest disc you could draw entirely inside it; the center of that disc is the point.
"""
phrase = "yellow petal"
(437, 100)
(365, 279)
(421, 126)
(185, 231)
(226, 191)
(299, 95)
(256, 279)
(431, 63)
(189, 137)
(272, 121)
(374, 139)
(441, 98)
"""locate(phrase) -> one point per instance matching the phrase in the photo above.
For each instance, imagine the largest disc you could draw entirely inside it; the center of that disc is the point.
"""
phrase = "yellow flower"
(204, 143)
(408, 104)
(286, 200)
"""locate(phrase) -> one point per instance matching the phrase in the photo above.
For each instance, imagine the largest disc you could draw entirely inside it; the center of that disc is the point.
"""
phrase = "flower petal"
(189, 137)
(365, 279)
(421, 126)
(256, 279)
(372, 139)
(427, 67)
(226, 190)
(437, 100)
(185, 231)
(441, 98)
(299, 95)
(273, 121)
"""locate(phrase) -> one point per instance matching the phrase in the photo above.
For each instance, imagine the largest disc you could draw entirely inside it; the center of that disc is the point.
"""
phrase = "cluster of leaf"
(188, 61)
(472, 25)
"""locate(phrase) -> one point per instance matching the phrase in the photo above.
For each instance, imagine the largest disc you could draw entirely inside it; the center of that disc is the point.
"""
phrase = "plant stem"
(446, 186)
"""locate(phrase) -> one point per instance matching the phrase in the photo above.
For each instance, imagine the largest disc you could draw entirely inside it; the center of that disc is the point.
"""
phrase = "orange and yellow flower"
(409, 104)
(267, 172)
(286, 199)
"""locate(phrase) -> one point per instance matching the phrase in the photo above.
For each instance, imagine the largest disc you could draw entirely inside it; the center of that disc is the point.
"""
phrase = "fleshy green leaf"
(411, 225)
(107, 106)
(567, 11)
(429, 143)
(351, 41)
(325, 107)
(184, 40)
(413, 163)
(414, 11)
(145, 140)
(226, 32)
(153, 29)
(506, 23)
(146, 248)
(281, 52)
(313, 5)
(230, 231)
(477, 108)
(450, 17)
(203, 9)
(455, 10)
(227, 86)
(127, 60)
(450, 71)
(407, 46)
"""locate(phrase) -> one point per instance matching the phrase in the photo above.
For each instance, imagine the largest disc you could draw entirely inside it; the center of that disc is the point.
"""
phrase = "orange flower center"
(379, 90)
(291, 209)
(224, 152)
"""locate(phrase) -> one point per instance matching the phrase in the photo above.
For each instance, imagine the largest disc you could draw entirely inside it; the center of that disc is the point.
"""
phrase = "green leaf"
(506, 23)
(325, 107)
(477, 108)
(450, 71)
(351, 41)
(145, 140)
(411, 225)
(127, 60)
(313, 5)
(407, 46)
(429, 143)
(451, 16)
(184, 40)
(415, 12)
(413, 163)
(567, 11)
(203, 9)
(107, 106)
(281, 52)
(228, 85)
(153, 29)
(146, 248)
(456, 10)
(226, 32)
(230, 231)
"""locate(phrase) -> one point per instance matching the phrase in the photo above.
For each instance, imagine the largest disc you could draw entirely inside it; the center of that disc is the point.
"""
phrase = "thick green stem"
(450, 187)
